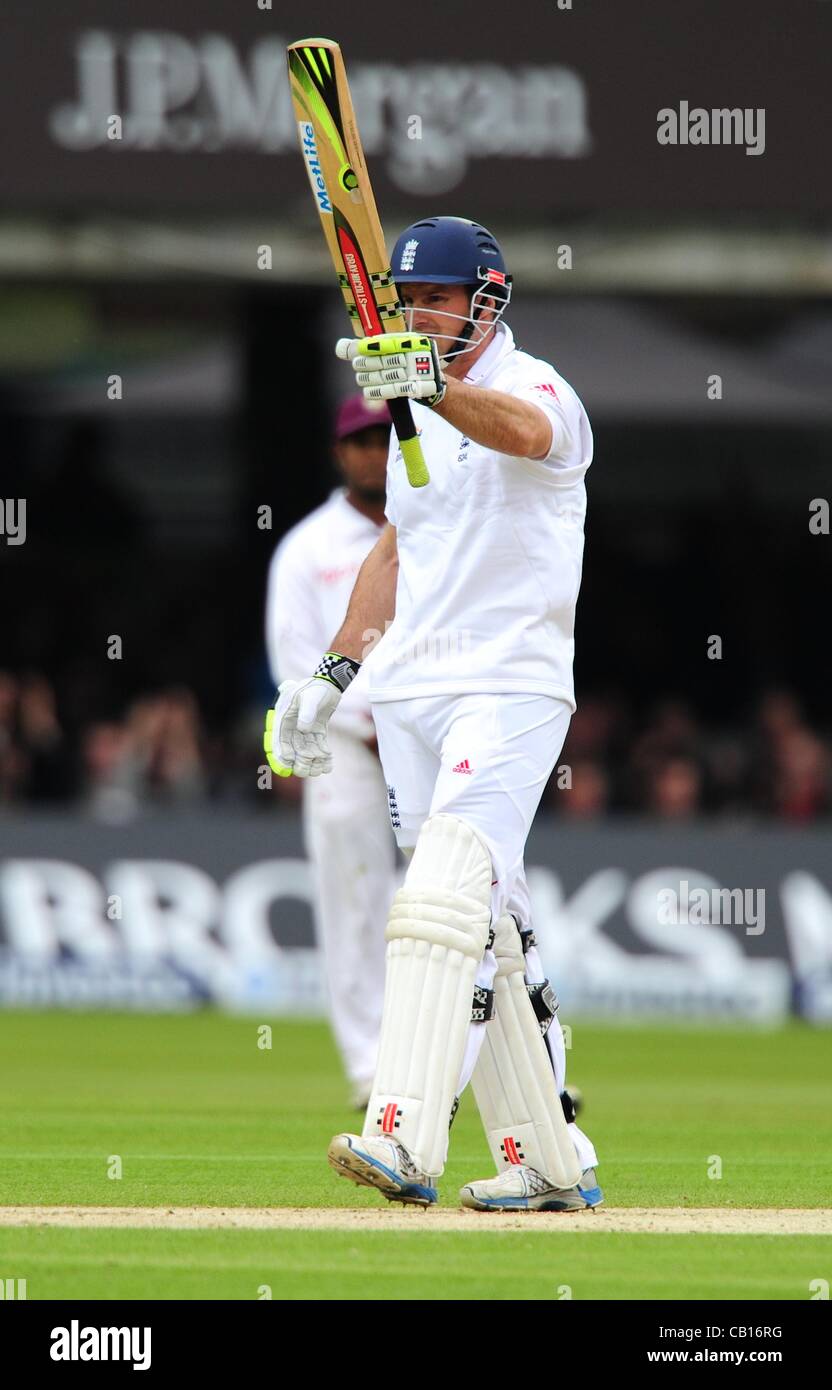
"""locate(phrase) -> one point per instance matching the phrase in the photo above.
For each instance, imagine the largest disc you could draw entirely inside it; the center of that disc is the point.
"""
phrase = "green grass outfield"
(199, 1115)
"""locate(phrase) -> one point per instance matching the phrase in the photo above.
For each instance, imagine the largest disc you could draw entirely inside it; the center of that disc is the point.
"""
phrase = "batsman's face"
(362, 458)
(439, 311)
(442, 311)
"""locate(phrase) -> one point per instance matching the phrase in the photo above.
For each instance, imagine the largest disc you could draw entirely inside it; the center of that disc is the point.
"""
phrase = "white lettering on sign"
(199, 94)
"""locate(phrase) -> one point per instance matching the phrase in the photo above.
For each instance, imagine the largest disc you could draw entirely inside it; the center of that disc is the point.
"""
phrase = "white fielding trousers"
(348, 840)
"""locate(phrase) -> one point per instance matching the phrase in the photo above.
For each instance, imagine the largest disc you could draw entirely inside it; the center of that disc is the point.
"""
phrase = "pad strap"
(545, 1004)
(482, 1008)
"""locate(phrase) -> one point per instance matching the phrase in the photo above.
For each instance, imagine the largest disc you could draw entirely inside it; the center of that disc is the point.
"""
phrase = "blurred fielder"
(472, 695)
(345, 816)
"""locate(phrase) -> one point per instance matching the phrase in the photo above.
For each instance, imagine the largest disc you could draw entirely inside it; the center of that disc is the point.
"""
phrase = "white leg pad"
(438, 929)
(513, 1081)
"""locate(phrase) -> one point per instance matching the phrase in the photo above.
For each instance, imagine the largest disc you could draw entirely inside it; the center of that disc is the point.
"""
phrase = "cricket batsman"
(345, 816)
(472, 693)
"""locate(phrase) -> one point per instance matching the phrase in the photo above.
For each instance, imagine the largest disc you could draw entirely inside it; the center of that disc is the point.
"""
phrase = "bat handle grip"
(414, 459)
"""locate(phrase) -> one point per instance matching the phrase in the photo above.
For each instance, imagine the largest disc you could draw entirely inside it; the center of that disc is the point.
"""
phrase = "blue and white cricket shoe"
(384, 1164)
(519, 1188)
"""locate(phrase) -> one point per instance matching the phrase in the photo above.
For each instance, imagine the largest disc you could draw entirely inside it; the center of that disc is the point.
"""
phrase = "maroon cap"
(356, 413)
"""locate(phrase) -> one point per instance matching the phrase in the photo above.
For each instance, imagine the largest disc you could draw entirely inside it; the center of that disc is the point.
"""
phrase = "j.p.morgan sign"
(163, 92)
(187, 107)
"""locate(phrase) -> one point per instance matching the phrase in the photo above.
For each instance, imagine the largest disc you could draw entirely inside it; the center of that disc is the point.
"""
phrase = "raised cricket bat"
(334, 157)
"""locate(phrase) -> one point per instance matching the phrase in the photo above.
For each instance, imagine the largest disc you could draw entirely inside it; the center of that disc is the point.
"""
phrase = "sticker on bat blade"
(360, 282)
(312, 161)
(349, 182)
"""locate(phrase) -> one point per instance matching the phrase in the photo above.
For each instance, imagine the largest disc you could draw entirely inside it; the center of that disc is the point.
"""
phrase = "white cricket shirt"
(490, 551)
(311, 578)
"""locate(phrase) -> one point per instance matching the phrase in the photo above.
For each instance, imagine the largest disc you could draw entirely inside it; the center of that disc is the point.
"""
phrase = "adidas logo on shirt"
(464, 766)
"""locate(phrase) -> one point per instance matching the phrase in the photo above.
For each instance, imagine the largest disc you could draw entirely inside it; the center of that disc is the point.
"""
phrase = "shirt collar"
(502, 344)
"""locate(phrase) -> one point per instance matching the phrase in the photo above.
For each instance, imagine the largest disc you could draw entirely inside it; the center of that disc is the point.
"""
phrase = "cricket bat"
(334, 157)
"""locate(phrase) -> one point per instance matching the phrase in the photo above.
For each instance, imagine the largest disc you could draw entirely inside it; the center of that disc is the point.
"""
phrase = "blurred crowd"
(156, 753)
(673, 766)
(669, 764)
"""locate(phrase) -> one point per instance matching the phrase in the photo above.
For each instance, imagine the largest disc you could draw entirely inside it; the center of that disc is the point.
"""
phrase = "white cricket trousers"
(486, 759)
(348, 841)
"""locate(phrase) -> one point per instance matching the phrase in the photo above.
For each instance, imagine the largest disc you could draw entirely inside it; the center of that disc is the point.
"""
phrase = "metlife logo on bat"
(313, 166)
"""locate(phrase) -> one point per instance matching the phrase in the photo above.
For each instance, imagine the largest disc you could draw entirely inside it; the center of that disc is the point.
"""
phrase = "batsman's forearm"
(373, 601)
(496, 420)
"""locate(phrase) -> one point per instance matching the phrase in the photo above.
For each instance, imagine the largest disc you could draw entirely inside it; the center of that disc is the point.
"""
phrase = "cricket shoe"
(384, 1164)
(519, 1188)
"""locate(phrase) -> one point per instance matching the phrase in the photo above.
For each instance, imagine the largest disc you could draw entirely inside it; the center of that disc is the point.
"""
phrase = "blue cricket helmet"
(454, 251)
(446, 251)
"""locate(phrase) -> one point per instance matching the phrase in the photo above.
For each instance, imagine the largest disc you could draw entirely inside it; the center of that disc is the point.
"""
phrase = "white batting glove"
(295, 738)
(395, 366)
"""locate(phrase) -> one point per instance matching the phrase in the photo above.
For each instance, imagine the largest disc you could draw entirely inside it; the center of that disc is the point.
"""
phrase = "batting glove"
(296, 729)
(394, 366)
